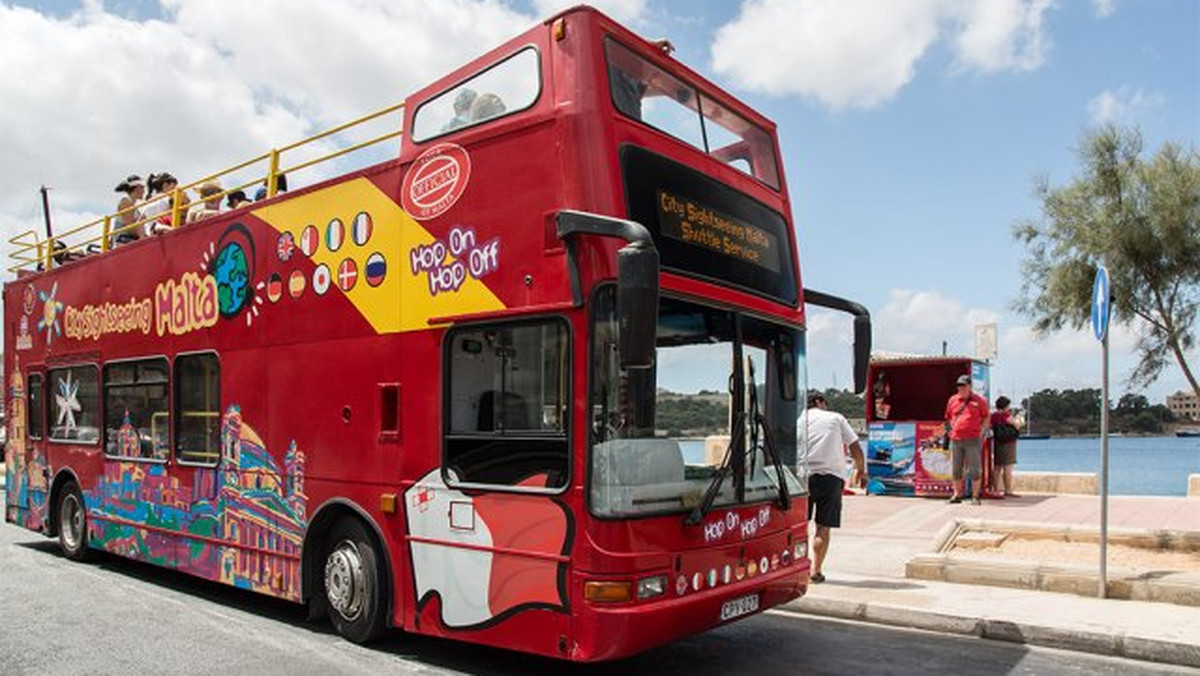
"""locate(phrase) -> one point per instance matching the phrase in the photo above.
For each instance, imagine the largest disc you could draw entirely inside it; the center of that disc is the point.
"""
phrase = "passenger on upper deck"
(280, 186)
(161, 186)
(210, 193)
(462, 109)
(236, 200)
(128, 212)
(486, 106)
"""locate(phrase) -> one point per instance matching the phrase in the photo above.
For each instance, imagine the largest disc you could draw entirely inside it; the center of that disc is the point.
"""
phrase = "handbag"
(1005, 432)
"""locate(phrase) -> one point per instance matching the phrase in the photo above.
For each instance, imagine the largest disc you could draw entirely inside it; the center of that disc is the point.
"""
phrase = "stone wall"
(1075, 483)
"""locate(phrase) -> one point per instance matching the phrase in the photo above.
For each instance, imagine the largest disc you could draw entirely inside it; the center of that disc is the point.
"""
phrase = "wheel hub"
(71, 522)
(344, 580)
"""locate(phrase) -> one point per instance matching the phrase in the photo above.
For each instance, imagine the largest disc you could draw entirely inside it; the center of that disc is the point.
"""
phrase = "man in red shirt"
(967, 418)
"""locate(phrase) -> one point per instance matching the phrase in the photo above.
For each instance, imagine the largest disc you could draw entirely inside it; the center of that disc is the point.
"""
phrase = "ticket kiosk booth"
(907, 449)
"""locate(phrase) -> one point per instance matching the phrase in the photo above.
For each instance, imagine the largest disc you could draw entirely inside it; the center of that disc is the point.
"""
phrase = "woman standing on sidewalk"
(1004, 442)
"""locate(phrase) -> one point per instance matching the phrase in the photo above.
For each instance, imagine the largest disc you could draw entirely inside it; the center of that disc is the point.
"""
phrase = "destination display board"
(695, 223)
(706, 229)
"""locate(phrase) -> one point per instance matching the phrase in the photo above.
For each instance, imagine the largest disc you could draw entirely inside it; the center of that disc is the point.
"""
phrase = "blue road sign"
(1101, 303)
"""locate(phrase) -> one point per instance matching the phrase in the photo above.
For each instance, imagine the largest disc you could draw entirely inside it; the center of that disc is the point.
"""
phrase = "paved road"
(113, 616)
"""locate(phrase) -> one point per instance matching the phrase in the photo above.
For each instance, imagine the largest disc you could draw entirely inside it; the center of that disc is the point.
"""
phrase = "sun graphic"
(50, 309)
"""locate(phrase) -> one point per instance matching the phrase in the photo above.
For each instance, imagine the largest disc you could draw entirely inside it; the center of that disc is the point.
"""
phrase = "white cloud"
(1104, 7)
(1123, 105)
(93, 96)
(861, 53)
(917, 322)
(1002, 35)
(621, 10)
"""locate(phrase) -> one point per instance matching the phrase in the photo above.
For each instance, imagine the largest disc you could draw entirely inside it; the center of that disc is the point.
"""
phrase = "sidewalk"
(866, 580)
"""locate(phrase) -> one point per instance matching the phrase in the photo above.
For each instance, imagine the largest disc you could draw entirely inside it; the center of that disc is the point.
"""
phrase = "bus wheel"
(72, 523)
(353, 592)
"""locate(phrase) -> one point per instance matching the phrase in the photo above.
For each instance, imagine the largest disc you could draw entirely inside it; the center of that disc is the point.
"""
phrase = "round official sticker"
(435, 181)
(681, 585)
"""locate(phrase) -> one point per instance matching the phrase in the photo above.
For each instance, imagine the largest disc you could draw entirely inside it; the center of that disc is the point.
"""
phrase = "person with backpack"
(966, 420)
(1004, 441)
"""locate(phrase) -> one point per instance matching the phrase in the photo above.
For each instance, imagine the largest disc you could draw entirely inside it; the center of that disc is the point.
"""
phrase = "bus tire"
(72, 523)
(352, 582)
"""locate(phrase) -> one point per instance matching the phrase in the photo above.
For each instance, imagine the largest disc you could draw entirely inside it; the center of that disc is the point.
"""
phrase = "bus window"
(198, 409)
(649, 94)
(34, 414)
(507, 87)
(137, 422)
(738, 143)
(75, 406)
(507, 405)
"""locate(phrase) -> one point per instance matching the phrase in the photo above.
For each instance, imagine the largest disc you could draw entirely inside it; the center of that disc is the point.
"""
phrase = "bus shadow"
(165, 578)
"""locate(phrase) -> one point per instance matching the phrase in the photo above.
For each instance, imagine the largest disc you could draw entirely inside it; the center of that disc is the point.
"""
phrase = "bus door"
(26, 466)
(138, 501)
(489, 530)
(196, 436)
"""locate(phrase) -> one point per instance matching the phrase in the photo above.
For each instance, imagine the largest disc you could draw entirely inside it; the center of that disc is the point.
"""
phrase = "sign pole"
(1101, 309)
(1104, 471)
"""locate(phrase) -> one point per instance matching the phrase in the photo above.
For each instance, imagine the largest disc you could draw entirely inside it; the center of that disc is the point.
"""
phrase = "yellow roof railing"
(31, 252)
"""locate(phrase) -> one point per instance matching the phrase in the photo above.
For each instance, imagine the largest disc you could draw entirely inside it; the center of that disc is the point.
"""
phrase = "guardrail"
(100, 235)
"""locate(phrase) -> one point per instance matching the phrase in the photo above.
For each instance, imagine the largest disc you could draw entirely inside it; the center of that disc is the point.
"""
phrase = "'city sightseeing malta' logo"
(51, 308)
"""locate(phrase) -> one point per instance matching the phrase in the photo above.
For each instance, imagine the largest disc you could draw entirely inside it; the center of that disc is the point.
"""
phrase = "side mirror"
(637, 304)
(862, 330)
(862, 351)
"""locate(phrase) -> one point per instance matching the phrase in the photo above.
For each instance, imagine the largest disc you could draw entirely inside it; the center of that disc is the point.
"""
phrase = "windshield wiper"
(759, 422)
(714, 487)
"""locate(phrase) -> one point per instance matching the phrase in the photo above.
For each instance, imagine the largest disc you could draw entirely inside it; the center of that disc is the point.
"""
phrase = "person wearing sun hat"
(966, 420)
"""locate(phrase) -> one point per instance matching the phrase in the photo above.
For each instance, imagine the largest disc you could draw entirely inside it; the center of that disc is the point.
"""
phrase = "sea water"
(1136, 465)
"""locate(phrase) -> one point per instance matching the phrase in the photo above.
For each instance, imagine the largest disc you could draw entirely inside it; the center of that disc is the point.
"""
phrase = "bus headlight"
(650, 587)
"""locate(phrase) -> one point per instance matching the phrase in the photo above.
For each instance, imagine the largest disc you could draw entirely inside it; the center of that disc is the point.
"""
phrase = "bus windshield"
(658, 444)
(649, 94)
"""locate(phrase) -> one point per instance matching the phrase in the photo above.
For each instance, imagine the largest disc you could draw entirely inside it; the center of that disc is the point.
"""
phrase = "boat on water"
(1024, 437)
(1187, 433)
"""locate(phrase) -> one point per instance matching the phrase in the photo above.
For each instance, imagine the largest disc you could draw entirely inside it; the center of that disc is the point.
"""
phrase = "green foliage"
(1077, 412)
(692, 415)
(846, 402)
(1141, 219)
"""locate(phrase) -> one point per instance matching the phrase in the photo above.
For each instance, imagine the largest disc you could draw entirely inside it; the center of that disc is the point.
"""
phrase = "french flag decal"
(362, 228)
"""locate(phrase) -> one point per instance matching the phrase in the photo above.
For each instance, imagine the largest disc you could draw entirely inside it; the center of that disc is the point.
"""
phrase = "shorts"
(971, 450)
(1005, 454)
(825, 499)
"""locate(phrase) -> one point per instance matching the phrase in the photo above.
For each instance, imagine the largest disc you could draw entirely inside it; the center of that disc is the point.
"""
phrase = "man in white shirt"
(824, 437)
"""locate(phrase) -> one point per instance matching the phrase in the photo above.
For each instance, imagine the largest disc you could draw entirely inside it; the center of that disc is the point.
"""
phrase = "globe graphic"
(232, 272)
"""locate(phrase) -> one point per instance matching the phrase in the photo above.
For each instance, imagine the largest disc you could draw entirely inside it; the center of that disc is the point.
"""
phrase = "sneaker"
(955, 499)
(976, 501)
(817, 578)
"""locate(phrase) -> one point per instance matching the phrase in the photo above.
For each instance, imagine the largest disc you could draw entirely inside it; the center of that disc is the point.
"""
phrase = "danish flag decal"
(459, 551)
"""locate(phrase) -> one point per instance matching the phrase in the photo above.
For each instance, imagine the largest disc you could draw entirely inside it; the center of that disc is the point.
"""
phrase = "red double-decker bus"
(531, 383)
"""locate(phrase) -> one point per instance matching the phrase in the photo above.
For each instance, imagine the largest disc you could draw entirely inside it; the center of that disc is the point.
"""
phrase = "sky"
(912, 131)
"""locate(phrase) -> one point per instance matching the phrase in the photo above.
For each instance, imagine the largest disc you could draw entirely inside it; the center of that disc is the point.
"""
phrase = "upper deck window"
(653, 96)
(507, 87)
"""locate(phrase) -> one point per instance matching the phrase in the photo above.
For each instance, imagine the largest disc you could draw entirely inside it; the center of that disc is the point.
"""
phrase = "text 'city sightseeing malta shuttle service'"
(532, 383)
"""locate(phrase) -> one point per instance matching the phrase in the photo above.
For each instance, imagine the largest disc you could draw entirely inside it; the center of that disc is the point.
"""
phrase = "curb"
(1115, 645)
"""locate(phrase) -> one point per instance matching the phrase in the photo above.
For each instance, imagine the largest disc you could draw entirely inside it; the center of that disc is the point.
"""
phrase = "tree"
(1139, 218)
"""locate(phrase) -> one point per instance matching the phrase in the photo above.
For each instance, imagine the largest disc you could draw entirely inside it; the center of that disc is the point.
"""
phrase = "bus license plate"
(743, 605)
